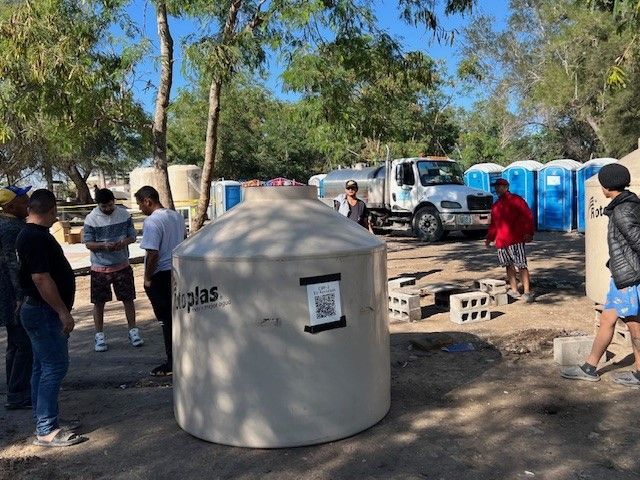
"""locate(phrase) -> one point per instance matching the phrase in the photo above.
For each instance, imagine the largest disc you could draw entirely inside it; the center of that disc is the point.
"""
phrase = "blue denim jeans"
(50, 363)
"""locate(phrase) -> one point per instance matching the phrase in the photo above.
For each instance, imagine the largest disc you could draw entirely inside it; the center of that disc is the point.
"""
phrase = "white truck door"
(402, 186)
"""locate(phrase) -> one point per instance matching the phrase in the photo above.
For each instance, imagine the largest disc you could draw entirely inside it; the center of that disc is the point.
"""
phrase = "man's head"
(614, 178)
(502, 186)
(351, 188)
(106, 201)
(14, 200)
(148, 199)
(42, 207)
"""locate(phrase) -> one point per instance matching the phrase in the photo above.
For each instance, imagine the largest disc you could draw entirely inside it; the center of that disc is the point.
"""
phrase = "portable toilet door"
(523, 180)
(483, 176)
(557, 195)
(586, 171)
(227, 195)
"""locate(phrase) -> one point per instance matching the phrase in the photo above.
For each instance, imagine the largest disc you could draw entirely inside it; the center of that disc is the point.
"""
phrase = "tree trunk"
(48, 175)
(598, 131)
(84, 195)
(211, 148)
(162, 102)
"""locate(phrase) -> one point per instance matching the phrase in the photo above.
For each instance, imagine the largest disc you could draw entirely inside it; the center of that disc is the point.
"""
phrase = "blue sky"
(413, 39)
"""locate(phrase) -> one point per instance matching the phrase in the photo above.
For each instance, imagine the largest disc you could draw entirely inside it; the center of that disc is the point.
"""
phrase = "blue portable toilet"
(523, 180)
(316, 180)
(557, 195)
(587, 170)
(226, 195)
(483, 176)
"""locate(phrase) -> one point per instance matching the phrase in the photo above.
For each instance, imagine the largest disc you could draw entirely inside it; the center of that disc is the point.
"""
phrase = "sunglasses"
(352, 188)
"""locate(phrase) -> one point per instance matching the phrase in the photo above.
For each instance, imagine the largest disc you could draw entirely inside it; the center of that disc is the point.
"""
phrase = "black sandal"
(63, 438)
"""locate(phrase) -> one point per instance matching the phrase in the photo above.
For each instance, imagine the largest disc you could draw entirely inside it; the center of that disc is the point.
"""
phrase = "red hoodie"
(511, 221)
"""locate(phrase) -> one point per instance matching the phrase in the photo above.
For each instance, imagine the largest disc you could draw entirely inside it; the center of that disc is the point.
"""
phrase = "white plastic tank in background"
(596, 249)
(184, 181)
(141, 176)
(280, 324)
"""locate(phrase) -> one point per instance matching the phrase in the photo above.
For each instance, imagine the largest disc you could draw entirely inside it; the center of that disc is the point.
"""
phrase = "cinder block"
(441, 299)
(499, 299)
(572, 350)
(405, 316)
(463, 302)
(469, 316)
(404, 307)
(491, 286)
(401, 282)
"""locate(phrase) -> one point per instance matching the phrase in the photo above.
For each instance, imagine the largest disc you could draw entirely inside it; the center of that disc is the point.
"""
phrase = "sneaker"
(134, 337)
(513, 294)
(101, 343)
(579, 373)
(628, 379)
(528, 297)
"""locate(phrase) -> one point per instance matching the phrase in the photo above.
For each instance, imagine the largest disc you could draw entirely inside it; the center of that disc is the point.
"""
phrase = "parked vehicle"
(426, 194)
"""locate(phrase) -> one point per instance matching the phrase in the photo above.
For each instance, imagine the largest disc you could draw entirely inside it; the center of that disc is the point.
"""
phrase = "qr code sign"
(325, 305)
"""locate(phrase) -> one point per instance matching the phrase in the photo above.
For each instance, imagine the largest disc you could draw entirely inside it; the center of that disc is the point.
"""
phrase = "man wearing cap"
(13, 201)
(623, 239)
(511, 227)
(350, 206)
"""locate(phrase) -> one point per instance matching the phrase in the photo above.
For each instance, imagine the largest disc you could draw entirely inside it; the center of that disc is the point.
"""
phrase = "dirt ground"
(501, 412)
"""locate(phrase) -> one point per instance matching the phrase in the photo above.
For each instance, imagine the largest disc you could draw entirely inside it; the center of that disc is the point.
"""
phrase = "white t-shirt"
(163, 230)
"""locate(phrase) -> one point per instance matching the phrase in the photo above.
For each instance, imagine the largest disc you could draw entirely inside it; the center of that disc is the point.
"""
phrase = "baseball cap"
(501, 181)
(9, 193)
(351, 184)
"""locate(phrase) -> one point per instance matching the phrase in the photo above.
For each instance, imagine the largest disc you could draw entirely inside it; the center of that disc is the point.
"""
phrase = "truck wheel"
(427, 225)
(474, 234)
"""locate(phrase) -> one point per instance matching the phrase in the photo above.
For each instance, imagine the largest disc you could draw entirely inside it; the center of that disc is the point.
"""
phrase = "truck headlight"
(448, 204)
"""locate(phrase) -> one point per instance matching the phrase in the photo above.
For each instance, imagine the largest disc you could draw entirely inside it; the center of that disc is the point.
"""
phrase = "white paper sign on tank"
(280, 324)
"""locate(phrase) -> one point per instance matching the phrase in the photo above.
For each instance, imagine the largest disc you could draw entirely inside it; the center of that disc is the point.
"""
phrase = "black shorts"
(122, 282)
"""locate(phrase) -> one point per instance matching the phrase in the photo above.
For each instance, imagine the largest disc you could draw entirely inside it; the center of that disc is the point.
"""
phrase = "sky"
(142, 12)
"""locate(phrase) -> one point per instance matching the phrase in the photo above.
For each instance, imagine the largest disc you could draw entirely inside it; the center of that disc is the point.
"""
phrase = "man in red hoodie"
(511, 227)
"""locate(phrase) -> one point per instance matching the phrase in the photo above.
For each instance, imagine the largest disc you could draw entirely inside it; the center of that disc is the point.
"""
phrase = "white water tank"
(184, 181)
(141, 176)
(596, 248)
(280, 324)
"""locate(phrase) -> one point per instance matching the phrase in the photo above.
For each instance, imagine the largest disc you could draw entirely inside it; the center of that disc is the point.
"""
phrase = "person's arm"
(131, 236)
(7, 240)
(50, 294)
(492, 231)
(629, 226)
(89, 239)
(150, 265)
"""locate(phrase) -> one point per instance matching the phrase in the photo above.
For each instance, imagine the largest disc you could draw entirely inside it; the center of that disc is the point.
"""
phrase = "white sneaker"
(134, 337)
(101, 343)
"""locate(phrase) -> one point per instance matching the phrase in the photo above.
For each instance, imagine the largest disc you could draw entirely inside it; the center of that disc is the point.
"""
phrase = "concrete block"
(491, 286)
(442, 287)
(404, 307)
(401, 282)
(499, 299)
(572, 350)
(441, 299)
(396, 316)
(469, 316)
(463, 302)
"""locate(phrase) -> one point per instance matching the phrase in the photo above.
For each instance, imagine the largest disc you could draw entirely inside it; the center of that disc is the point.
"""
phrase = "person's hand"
(67, 322)
(117, 246)
(108, 246)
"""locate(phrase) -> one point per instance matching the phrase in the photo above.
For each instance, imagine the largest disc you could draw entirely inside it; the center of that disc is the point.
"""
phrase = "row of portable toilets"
(554, 191)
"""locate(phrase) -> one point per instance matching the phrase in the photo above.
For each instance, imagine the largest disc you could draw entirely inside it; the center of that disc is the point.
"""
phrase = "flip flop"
(68, 426)
(62, 439)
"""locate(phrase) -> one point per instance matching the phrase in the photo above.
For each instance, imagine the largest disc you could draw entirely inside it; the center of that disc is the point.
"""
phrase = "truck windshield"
(439, 173)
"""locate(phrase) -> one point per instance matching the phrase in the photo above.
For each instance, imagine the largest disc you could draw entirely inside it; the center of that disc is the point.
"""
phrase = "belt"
(34, 302)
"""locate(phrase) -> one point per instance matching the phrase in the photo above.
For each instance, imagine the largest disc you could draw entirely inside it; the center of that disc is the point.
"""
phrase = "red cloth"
(511, 221)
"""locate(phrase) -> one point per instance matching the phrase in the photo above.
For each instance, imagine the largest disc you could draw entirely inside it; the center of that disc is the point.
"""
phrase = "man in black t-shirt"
(349, 205)
(49, 287)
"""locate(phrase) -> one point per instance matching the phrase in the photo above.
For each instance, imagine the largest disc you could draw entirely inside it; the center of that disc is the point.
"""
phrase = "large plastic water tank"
(523, 180)
(557, 195)
(596, 249)
(483, 176)
(185, 182)
(141, 176)
(587, 170)
(226, 194)
(280, 324)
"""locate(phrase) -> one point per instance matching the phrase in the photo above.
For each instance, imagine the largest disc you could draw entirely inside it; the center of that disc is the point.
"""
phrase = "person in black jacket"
(623, 238)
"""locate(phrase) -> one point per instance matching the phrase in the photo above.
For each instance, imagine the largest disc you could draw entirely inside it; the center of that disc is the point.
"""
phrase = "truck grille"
(477, 202)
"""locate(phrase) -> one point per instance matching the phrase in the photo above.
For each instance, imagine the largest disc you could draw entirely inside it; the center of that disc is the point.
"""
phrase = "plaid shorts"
(513, 255)
(122, 282)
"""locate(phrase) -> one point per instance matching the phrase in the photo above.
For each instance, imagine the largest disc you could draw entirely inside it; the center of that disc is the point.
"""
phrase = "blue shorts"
(624, 301)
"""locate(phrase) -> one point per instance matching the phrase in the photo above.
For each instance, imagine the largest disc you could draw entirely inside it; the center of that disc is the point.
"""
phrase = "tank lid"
(486, 167)
(526, 164)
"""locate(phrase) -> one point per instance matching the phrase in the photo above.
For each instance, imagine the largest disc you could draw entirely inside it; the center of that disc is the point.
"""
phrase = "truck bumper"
(466, 221)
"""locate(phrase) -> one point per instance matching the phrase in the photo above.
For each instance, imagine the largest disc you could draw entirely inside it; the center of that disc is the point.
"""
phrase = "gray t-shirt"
(163, 231)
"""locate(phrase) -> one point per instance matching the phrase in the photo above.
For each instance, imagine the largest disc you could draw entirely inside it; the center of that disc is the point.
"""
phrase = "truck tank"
(370, 184)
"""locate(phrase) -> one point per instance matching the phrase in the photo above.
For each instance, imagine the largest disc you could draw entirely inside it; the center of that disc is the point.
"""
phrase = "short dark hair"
(104, 195)
(147, 192)
(42, 201)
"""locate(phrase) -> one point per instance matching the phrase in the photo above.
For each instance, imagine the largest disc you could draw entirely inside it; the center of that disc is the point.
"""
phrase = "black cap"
(614, 177)
(351, 184)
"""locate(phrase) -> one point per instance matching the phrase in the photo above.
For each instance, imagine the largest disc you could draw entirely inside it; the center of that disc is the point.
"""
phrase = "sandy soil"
(501, 412)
